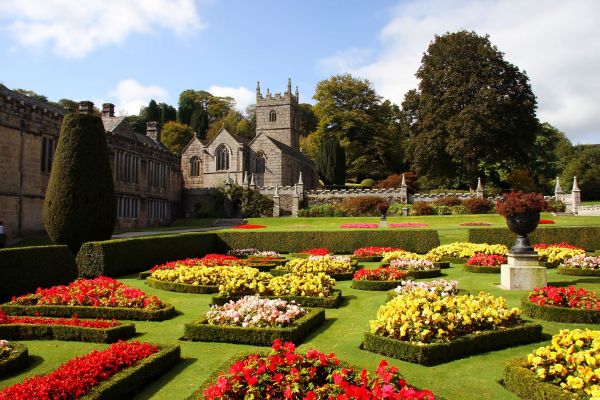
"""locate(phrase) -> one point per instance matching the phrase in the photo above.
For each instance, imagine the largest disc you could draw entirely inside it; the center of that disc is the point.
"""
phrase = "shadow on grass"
(33, 362)
(346, 300)
(322, 328)
(155, 386)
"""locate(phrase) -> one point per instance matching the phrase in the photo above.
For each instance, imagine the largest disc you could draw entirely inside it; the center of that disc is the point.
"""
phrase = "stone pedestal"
(523, 272)
(276, 206)
(383, 223)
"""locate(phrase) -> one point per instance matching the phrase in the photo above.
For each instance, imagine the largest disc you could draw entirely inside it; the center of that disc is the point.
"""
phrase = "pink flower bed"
(368, 226)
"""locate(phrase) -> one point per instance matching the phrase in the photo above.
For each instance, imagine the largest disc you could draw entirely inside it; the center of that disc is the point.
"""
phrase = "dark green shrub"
(554, 205)
(66, 332)
(525, 383)
(211, 205)
(361, 206)
(422, 208)
(459, 210)
(442, 210)
(16, 361)
(475, 205)
(120, 313)
(80, 202)
(251, 203)
(367, 183)
(396, 208)
(448, 201)
(331, 161)
(24, 269)
(321, 210)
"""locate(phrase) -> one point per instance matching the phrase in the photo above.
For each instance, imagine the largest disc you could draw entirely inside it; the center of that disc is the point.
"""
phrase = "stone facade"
(147, 177)
(272, 158)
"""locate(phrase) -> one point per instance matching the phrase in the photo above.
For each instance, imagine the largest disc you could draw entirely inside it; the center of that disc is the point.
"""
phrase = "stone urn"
(383, 209)
(523, 224)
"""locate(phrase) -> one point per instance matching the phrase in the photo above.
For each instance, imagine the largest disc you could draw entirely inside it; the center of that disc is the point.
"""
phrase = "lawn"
(471, 378)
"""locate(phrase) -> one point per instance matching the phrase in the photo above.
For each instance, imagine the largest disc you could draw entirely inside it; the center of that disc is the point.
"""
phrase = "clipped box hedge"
(181, 287)
(481, 269)
(65, 332)
(368, 258)
(119, 313)
(117, 257)
(130, 380)
(524, 383)
(578, 271)
(430, 273)
(361, 284)
(455, 260)
(587, 237)
(332, 301)
(201, 330)
(16, 361)
(24, 269)
(439, 353)
(559, 314)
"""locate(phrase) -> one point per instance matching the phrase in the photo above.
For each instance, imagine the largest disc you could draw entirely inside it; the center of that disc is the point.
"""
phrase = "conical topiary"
(80, 202)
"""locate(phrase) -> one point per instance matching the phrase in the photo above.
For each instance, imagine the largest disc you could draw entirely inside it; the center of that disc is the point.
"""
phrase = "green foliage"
(192, 100)
(480, 269)
(199, 122)
(211, 206)
(459, 210)
(300, 328)
(167, 113)
(137, 123)
(475, 205)
(587, 237)
(439, 353)
(321, 210)
(367, 183)
(422, 208)
(65, 332)
(361, 206)
(16, 361)
(551, 152)
(553, 205)
(151, 113)
(559, 314)
(334, 300)
(24, 269)
(442, 210)
(124, 256)
(448, 201)
(473, 110)
(331, 161)
(525, 383)
(578, 271)
(175, 136)
(250, 202)
(585, 165)
(80, 201)
(306, 119)
(396, 208)
(120, 313)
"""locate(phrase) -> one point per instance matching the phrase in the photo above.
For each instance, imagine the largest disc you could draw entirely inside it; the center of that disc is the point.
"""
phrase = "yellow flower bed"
(572, 361)
(319, 285)
(466, 249)
(239, 278)
(557, 254)
(424, 317)
(394, 255)
(314, 265)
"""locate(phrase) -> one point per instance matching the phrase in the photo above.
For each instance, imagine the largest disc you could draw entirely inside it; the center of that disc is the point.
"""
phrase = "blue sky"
(128, 51)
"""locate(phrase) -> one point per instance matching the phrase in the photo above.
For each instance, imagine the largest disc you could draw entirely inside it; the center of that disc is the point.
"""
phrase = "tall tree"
(472, 109)
(585, 165)
(167, 113)
(199, 122)
(152, 112)
(216, 107)
(550, 154)
(175, 136)
(331, 161)
(80, 202)
(351, 110)
(306, 119)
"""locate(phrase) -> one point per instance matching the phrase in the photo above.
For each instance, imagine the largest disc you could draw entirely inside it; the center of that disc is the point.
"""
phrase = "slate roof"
(291, 152)
(113, 123)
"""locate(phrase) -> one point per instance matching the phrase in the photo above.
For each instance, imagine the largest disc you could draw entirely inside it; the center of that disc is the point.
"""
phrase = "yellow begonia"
(394, 255)
(571, 361)
(554, 254)
(466, 249)
(321, 264)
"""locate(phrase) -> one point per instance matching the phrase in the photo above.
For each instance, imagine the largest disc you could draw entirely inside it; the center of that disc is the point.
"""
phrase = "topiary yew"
(80, 202)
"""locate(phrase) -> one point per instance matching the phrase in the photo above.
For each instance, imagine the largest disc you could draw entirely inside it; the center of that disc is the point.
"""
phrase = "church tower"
(276, 115)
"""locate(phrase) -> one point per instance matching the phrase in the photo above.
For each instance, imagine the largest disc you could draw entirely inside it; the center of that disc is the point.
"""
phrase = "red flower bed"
(546, 221)
(476, 223)
(209, 260)
(408, 225)
(98, 292)
(78, 376)
(562, 245)
(380, 274)
(570, 297)
(487, 260)
(368, 226)
(285, 374)
(73, 321)
(317, 251)
(374, 251)
(249, 226)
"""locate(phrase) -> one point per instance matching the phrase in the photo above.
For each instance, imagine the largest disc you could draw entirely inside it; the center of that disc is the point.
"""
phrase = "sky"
(130, 51)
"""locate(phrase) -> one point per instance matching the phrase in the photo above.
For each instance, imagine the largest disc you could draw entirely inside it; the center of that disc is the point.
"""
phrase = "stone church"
(271, 158)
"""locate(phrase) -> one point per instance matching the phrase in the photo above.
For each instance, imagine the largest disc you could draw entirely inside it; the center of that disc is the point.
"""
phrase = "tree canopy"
(472, 110)
(175, 136)
(585, 165)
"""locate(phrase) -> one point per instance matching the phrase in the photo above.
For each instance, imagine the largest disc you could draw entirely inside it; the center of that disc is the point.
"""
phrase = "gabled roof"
(287, 150)
(237, 138)
(120, 126)
(192, 140)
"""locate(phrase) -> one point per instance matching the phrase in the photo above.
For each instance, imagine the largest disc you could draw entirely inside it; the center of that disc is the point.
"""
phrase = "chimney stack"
(86, 107)
(108, 110)
(153, 131)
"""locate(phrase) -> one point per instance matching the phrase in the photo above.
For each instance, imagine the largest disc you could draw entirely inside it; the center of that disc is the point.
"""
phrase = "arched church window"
(260, 163)
(272, 116)
(195, 166)
(222, 156)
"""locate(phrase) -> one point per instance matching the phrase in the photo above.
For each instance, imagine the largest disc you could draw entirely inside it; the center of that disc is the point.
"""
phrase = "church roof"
(237, 138)
(291, 152)
(122, 128)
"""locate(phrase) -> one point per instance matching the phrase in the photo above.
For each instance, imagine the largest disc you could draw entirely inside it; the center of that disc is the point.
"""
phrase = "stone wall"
(593, 210)
(284, 128)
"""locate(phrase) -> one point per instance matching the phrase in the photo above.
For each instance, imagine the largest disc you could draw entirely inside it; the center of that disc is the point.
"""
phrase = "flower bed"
(332, 300)
(101, 297)
(475, 223)
(417, 269)
(338, 267)
(553, 254)
(564, 370)
(441, 287)
(562, 304)
(423, 327)
(209, 260)
(546, 221)
(255, 320)
(13, 357)
(364, 226)
(249, 226)
(115, 372)
(378, 279)
(96, 331)
(408, 225)
(370, 253)
(315, 251)
(580, 265)
(457, 252)
(485, 263)
(312, 376)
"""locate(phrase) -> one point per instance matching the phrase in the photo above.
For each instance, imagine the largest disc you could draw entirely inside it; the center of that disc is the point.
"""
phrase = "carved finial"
(289, 89)
(403, 184)
(268, 92)
(252, 179)
(479, 185)
(245, 180)
(300, 181)
(297, 94)
(575, 186)
(557, 188)
(276, 191)
(258, 95)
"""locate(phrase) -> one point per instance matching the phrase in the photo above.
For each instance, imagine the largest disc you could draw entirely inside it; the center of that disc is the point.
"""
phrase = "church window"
(48, 147)
(195, 166)
(272, 116)
(222, 156)
(260, 163)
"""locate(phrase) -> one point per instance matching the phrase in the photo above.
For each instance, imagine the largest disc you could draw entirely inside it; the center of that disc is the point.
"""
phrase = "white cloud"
(74, 28)
(129, 96)
(556, 42)
(242, 95)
